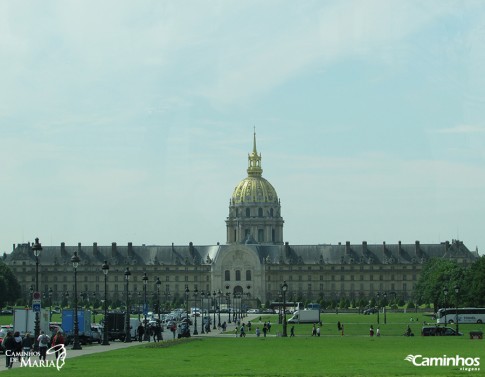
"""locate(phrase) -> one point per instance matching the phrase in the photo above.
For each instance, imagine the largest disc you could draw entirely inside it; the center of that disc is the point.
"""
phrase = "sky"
(131, 121)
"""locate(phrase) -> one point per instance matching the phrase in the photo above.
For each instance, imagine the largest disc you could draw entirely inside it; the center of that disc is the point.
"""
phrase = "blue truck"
(84, 325)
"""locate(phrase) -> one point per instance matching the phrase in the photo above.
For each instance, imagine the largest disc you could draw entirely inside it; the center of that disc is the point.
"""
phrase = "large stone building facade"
(252, 264)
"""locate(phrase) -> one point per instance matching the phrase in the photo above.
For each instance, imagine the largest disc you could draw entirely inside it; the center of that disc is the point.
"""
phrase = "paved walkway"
(167, 336)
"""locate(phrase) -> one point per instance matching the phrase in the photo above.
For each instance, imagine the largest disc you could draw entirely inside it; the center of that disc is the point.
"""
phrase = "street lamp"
(219, 310)
(50, 304)
(445, 292)
(94, 303)
(378, 306)
(127, 315)
(139, 311)
(146, 334)
(158, 283)
(284, 288)
(75, 263)
(457, 290)
(187, 299)
(202, 296)
(36, 248)
(228, 300)
(196, 292)
(385, 303)
(105, 268)
(215, 307)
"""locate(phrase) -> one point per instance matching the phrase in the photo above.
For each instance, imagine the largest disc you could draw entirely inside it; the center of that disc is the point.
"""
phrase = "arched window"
(260, 212)
(238, 275)
(227, 275)
(248, 212)
(248, 275)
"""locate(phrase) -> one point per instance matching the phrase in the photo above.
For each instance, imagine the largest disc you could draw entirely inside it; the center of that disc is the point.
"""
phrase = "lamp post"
(105, 268)
(219, 309)
(139, 304)
(158, 283)
(187, 300)
(202, 296)
(228, 300)
(75, 263)
(31, 290)
(146, 334)
(36, 248)
(378, 306)
(50, 304)
(457, 291)
(284, 288)
(234, 303)
(94, 303)
(214, 294)
(127, 315)
(196, 292)
(385, 303)
(445, 292)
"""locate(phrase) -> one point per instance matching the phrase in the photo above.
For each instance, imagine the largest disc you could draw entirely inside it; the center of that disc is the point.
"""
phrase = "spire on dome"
(254, 160)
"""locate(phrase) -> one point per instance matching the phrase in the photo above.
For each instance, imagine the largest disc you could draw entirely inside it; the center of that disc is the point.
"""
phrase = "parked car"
(253, 311)
(370, 311)
(6, 312)
(438, 331)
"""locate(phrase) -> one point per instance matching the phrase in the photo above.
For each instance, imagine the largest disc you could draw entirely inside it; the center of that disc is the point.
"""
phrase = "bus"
(465, 315)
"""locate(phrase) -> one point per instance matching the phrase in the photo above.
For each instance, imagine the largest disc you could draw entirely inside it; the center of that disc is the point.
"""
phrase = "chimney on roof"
(417, 248)
(364, 247)
(63, 248)
(347, 247)
(130, 250)
(113, 249)
(95, 248)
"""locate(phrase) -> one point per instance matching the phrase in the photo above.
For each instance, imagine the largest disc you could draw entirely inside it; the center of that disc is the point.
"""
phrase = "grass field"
(354, 354)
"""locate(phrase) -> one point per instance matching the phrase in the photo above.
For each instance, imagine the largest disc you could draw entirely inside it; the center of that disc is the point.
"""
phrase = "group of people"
(152, 331)
(17, 346)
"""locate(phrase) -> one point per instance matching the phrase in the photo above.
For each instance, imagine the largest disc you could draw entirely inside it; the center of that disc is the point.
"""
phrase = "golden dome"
(254, 188)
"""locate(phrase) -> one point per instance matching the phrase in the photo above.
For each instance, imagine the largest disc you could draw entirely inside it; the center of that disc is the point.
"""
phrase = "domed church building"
(250, 267)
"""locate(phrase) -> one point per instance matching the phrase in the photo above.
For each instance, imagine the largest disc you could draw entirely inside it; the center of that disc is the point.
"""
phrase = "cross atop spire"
(254, 160)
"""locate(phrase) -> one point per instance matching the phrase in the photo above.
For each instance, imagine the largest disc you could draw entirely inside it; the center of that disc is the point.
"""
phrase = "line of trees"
(440, 277)
(10, 289)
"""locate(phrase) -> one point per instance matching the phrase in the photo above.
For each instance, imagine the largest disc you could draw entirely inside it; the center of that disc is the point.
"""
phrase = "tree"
(10, 290)
(473, 290)
(436, 275)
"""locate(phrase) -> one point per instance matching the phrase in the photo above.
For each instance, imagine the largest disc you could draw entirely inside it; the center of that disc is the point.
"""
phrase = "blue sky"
(132, 120)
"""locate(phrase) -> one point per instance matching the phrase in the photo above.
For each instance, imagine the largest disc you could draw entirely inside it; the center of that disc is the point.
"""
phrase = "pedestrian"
(292, 331)
(258, 332)
(140, 330)
(9, 346)
(265, 330)
(378, 331)
(158, 332)
(18, 344)
(58, 339)
(342, 326)
(249, 326)
(269, 326)
(173, 329)
(27, 345)
(338, 326)
(318, 330)
(43, 340)
(314, 330)
(371, 331)
(224, 326)
(243, 332)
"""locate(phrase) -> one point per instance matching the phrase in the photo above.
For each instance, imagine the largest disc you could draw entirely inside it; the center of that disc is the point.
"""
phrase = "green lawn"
(354, 354)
